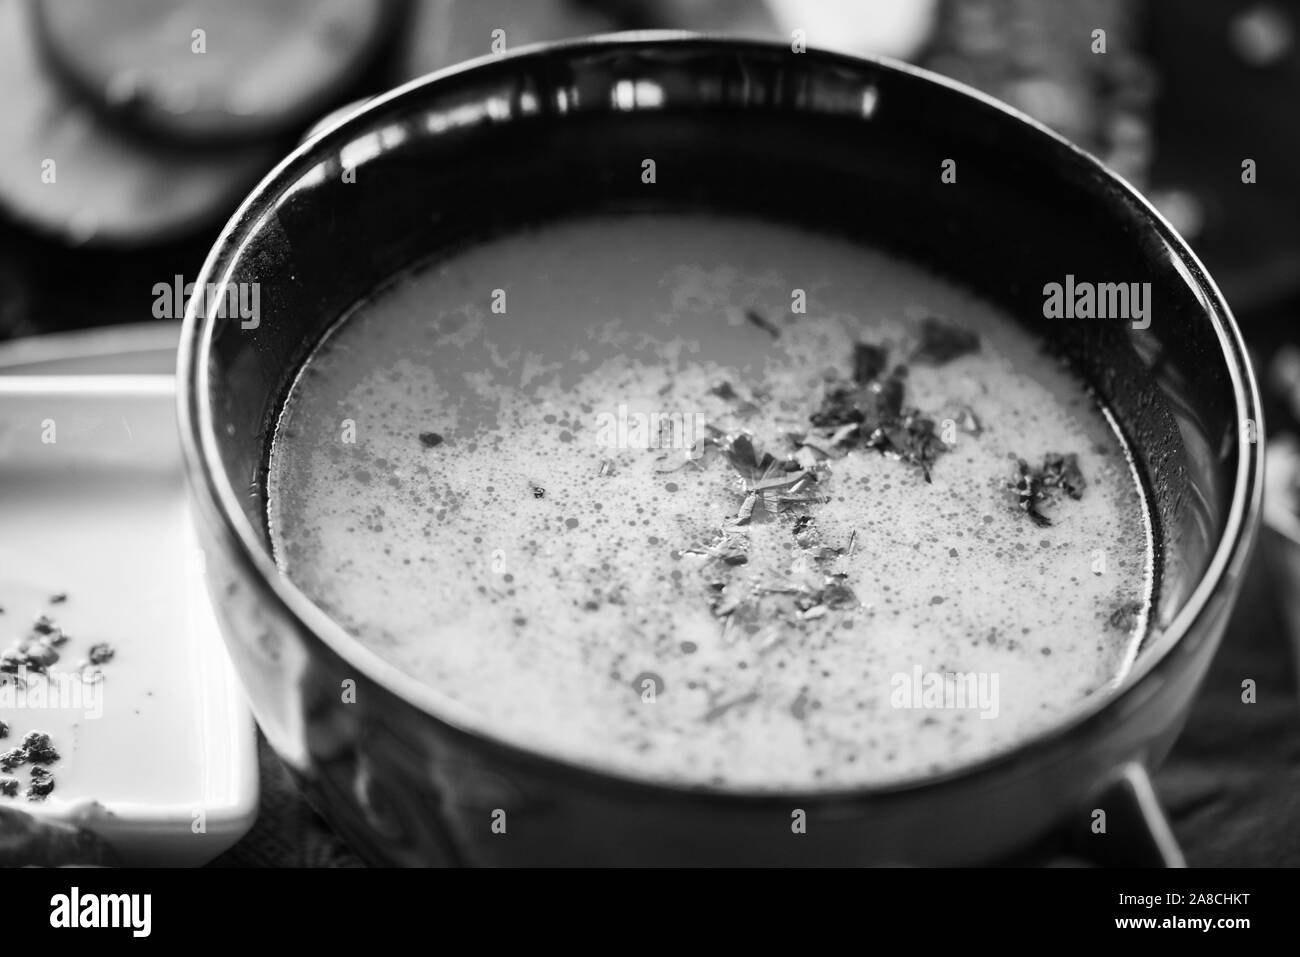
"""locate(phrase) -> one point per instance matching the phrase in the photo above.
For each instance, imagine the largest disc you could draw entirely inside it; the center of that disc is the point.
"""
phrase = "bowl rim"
(208, 480)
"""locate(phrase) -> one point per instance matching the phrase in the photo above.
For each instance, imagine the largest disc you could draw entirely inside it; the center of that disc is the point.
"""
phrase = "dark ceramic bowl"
(848, 145)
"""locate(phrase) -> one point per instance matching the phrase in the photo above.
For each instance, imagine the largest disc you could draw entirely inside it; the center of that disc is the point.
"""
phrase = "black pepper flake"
(875, 405)
(43, 625)
(430, 440)
(1037, 487)
(537, 491)
(1062, 471)
(799, 706)
(101, 653)
(58, 598)
(755, 318)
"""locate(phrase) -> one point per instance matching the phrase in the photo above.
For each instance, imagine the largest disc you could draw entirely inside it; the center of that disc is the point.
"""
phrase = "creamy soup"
(714, 501)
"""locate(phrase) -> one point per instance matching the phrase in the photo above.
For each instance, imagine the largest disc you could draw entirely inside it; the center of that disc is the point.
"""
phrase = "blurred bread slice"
(66, 171)
(213, 69)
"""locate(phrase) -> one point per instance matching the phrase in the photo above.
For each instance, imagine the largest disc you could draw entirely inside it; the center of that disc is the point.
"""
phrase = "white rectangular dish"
(159, 758)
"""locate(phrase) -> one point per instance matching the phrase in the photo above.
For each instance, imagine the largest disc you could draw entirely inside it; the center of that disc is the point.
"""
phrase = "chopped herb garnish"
(868, 406)
(942, 342)
(770, 484)
(805, 533)
(869, 413)
(59, 598)
(42, 785)
(12, 758)
(731, 547)
(757, 319)
(38, 748)
(9, 787)
(4, 730)
(43, 625)
(430, 440)
(832, 596)
(1037, 487)
(913, 439)
(866, 411)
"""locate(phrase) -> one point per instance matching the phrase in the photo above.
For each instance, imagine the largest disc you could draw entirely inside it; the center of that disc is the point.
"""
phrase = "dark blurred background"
(154, 147)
